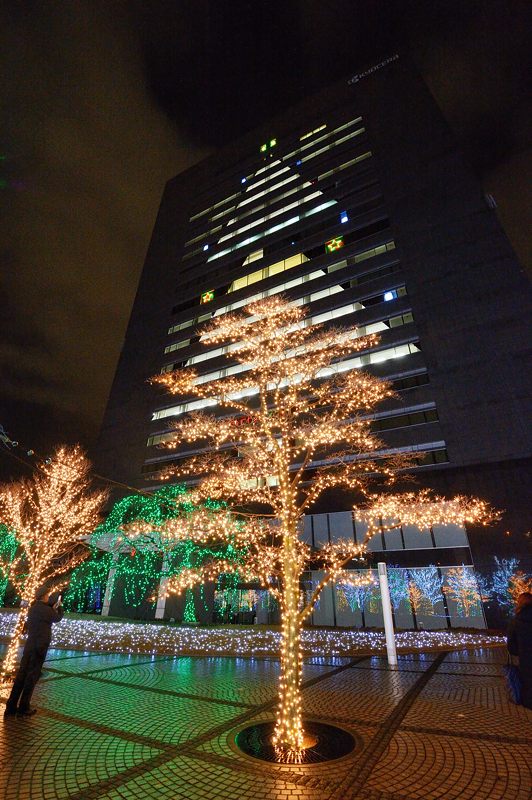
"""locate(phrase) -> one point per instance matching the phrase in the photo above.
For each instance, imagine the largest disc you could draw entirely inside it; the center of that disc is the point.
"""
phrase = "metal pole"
(387, 614)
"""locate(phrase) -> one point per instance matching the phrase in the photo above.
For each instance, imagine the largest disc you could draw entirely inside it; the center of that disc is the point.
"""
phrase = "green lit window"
(268, 145)
(334, 244)
(207, 296)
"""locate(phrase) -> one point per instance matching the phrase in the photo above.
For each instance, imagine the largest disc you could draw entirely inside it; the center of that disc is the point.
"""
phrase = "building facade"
(359, 205)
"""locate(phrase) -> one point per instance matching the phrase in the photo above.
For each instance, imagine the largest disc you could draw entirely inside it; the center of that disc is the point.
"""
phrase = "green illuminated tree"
(8, 549)
(141, 560)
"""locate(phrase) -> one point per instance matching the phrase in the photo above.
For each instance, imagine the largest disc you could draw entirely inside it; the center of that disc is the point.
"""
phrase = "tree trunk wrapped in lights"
(51, 515)
(291, 423)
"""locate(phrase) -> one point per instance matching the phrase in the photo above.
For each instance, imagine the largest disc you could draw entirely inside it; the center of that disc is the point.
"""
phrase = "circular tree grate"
(325, 743)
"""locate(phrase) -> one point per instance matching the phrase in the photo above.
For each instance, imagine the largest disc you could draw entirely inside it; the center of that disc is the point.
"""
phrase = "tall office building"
(358, 204)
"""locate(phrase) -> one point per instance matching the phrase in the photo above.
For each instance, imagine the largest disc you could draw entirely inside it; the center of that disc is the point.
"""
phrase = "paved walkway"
(113, 726)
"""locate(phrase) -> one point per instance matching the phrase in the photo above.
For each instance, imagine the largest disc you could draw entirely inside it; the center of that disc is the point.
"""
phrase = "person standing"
(41, 616)
(520, 644)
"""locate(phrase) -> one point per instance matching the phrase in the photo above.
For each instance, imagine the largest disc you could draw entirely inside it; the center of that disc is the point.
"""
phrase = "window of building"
(311, 133)
(342, 366)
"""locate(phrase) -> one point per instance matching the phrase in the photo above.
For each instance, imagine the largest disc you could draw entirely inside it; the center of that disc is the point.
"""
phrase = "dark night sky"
(105, 101)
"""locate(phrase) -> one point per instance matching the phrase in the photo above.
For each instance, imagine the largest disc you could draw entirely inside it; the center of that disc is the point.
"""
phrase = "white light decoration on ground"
(50, 514)
(157, 639)
(300, 426)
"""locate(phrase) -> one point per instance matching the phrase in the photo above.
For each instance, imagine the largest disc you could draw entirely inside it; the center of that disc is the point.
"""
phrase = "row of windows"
(339, 129)
(398, 385)
(370, 253)
(267, 191)
(266, 272)
(363, 256)
(423, 459)
(440, 456)
(405, 420)
(270, 201)
(278, 212)
(269, 166)
(273, 229)
(359, 208)
(311, 133)
(364, 330)
(307, 242)
(358, 362)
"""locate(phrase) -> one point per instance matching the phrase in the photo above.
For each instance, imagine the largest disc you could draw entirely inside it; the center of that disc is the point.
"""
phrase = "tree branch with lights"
(51, 514)
(290, 424)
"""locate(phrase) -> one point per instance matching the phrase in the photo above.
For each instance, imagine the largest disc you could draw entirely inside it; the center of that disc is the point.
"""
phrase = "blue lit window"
(390, 295)
(344, 217)
(205, 246)
(243, 180)
(298, 163)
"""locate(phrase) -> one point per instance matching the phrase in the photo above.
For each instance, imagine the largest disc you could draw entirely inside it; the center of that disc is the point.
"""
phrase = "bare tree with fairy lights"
(292, 421)
(50, 515)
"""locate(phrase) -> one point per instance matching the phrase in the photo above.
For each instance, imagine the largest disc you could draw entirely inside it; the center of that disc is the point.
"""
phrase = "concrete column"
(387, 614)
(109, 588)
(161, 595)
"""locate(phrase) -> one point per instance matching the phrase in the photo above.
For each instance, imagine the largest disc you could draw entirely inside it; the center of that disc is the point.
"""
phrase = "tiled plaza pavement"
(133, 728)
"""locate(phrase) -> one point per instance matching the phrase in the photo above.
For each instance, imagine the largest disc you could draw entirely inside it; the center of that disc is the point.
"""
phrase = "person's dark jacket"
(41, 617)
(520, 644)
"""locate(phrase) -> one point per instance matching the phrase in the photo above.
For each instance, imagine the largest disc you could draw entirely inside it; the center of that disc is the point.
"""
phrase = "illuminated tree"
(293, 421)
(502, 581)
(415, 596)
(8, 548)
(357, 595)
(429, 582)
(398, 586)
(51, 514)
(461, 586)
(519, 583)
(135, 559)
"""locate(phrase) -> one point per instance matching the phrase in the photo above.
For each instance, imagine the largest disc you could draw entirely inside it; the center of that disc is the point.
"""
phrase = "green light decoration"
(268, 145)
(334, 244)
(8, 548)
(141, 561)
(189, 614)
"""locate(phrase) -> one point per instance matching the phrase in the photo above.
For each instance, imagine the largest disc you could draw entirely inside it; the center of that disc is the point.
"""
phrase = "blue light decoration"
(344, 217)
(390, 295)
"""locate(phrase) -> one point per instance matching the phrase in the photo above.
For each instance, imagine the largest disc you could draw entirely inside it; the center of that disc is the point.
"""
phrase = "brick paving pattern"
(118, 727)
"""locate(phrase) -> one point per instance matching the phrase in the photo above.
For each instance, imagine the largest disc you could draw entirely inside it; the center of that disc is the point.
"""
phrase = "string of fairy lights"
(154, 639)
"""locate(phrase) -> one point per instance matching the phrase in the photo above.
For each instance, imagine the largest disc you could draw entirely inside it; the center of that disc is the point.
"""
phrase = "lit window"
(344, 217)
(390, 295)
(207, 296)
(205, 247)
(263, 148)
(334, 244)
(273, 142)
(311, 133)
